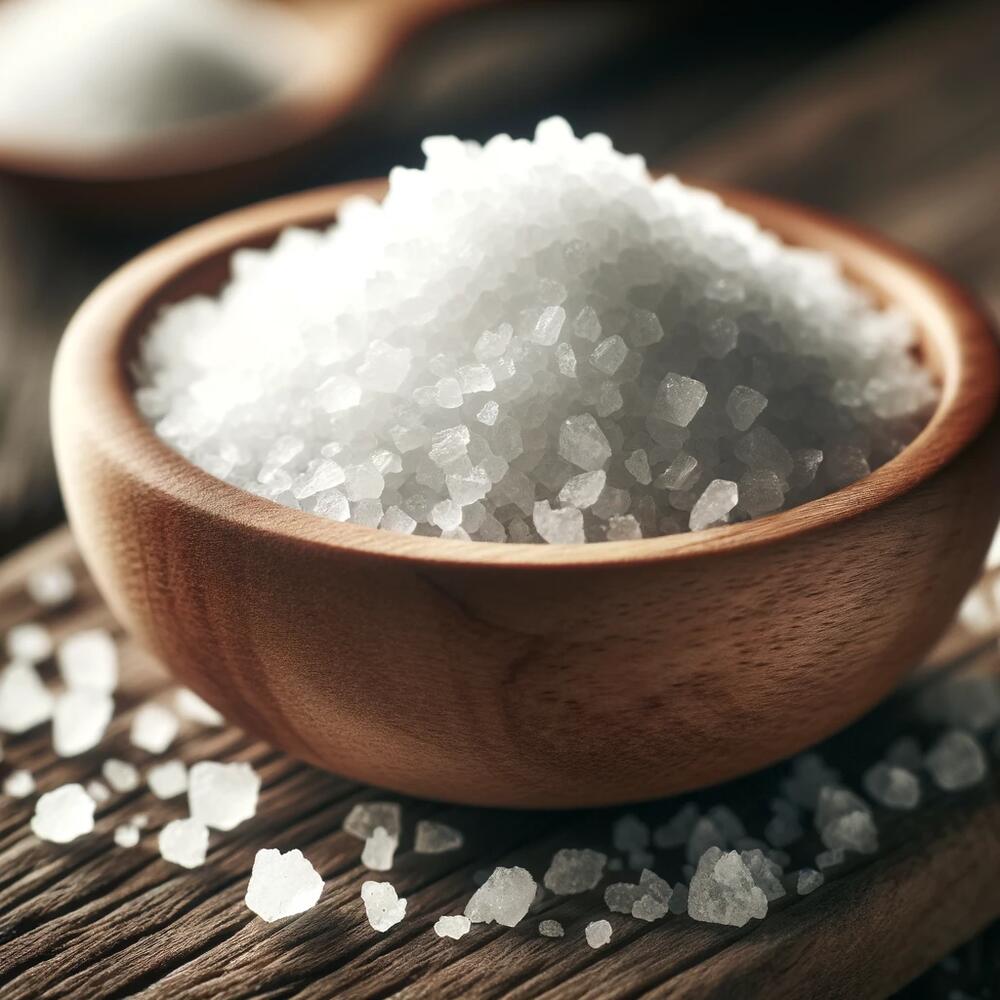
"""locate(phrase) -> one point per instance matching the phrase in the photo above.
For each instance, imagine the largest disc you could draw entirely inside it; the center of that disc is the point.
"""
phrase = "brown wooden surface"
(484, 659)
(92, 920)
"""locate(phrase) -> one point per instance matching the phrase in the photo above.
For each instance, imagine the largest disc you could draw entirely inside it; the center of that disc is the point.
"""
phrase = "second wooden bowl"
(519, 675)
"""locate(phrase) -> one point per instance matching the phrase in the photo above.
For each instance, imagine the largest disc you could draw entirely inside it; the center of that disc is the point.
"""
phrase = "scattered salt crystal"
(551, 929)
(194, 708)
(433, 837)
(765, 873)
(583, 491)
(714, 504)
(222, 795)
(808, 880)
(704, 834)
(184, 842)
(282, 884)
(168, 779)
(29, 642)
(638, 465)
(834, 801)
(583, 443)
(678, 399)
(722, 891)
(744, 406)
(676, 831)
(363, 819)
(809, 775)
(558, 527)
(379, 850)
(620, 897)
(89, 659)
(153, 728)
(79, 720)
(572, 871)
(19, 784)
(98, 791)
(853, 831)
(51, 586)
(126, 835)
(892, 786)
(504, 898)
(598, 933)
(830, 859)
(383, 907)
(956, 761)
(971, 702)
(63, 814)
(609, 354)
(141, 820)
(454, 927)
(25, 702)
(120, 775)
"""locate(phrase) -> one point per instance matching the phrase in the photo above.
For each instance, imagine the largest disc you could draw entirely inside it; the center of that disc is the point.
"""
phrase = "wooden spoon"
(529, 675)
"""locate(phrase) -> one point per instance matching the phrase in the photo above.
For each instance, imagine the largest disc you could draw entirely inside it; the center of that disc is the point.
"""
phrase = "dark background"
(887, 112)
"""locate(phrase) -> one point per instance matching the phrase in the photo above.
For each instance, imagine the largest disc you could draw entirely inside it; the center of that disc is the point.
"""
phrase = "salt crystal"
(551, 929)
(549, 325)
(79, 721)
(714, 504)
(704, 835)
(834, 801)
(120, 775)
(63, 814)
(583, 443)
(222, 795)
(282, 884)
(89, 659)
(620, 897)
(29, 643)
(126, 835)
(51, 586)
(676, 832)
(809, 775)
(587, 324)
(504, 898)
(433, 837)
(892, 786)
(956, 761)
(453, 927)
(383, 908)
(25, 702)
(168, 779)
(808, 880)
(623, 529)
(638, 465)
(558, 527)
(853, 831)
(609, 354)
(831, 858)
(98, 791)
(572, 871)
(194, 708)
(184, 842)
(678, 399)
(582, 491)
(379, 850)
(598, 933)
(765, 873)
(19, 784)
(722, 891)
(153, 728)
(744, 406)
(364, 817)
(679, 474)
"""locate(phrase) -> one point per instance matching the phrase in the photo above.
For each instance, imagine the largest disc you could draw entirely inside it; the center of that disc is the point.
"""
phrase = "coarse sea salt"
(598, 933)
(126, 835)
(19, 784)
(63, 814)
(454, 927)
(433, 837)
(29, 642)
(89, 659)
(168, 779)
(222, 795)
(153, 728)
(25, 702)
(120, 774)
(79, 720)
(504, 898)
(383, 907)
(535, 341)
(282, 884)
(51, 586)
(194, 708)
(184, 842)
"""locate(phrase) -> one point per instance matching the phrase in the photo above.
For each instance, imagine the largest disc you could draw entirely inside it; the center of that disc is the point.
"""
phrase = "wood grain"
(89, 919)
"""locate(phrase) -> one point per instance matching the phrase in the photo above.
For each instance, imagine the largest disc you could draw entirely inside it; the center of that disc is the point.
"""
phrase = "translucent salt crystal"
(720, 336)
(970, 702)
(29, 642)
(654, 904)
(727, 822)
(399, 521)
(454, 927)
(649, 909)
(845, 464)
(620, 897)
(126, 835)
(184, 842)
(63, 814)
(977, 613)
(120, 775)
(379, 850)
(19, 784)
(194, 708)
(853, 831)
(365, 817)
(892, 786)
(367, 513)
(609, 354)
(638, 465)
(831, 859)
(808, 880)
(582, 491)
(385, 367)
(704, 834)
(222, 795)
(680, 474)
(432, 837)
(79, 721)
(468, 488)
(766, 874)
(566, 360)
(762, 491)
(760, 449)
(449, 444)
(363, 482)
(572, 871)
(282, 884)
(448, 393)
(558, 527)
(493, 343)
(805, 465)
(98, 791)
(154, 728)
(677, 830)
(546, 331)
(333, 505)
(723, 891)
(475, 378)
(325, 476)
(338, 393)
(598, 933)
(489, 412)
(623, 528)
(744, 405)
(168, 779)
(551, 929)
(678, 399)
(25, 702)
(956, 761)
(504, 898)
(447, 515)
(629, 833)
(587, 324)
(834, 801)
(51, 586)
(583, 443)
(809, 774)
(89, 659)
(714, 504)
(644, 329)
(383, 908)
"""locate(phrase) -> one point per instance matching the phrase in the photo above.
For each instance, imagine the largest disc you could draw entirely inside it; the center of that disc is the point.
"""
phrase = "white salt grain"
(168, 779)
(892, 786)
(192, 707)
(504, 898)
(379, 850)
(120, 774)
(51, 586)
(363, 819)
(722, 891)
(956, 761)
(184, 842)
(744, 406)
(598, 933)
(98, 791)
(808, 880)
(383, 908)
(29, 643)
(583, 491)
(551, 929)
(453, 927)
(19, 784)
(79, 721)
(558, 527)
(89, 659)
(282, 884)
(126, 835)
(222, 795)
(25, 702)
(153, 728)
(432, 837)
(572, 871)
(63, 814)
(714, 504)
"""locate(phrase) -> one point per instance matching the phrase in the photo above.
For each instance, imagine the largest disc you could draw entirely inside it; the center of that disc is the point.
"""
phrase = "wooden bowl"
(528, 675)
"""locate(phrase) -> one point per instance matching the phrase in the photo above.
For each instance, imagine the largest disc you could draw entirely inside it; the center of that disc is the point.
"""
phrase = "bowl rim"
(94, 352)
